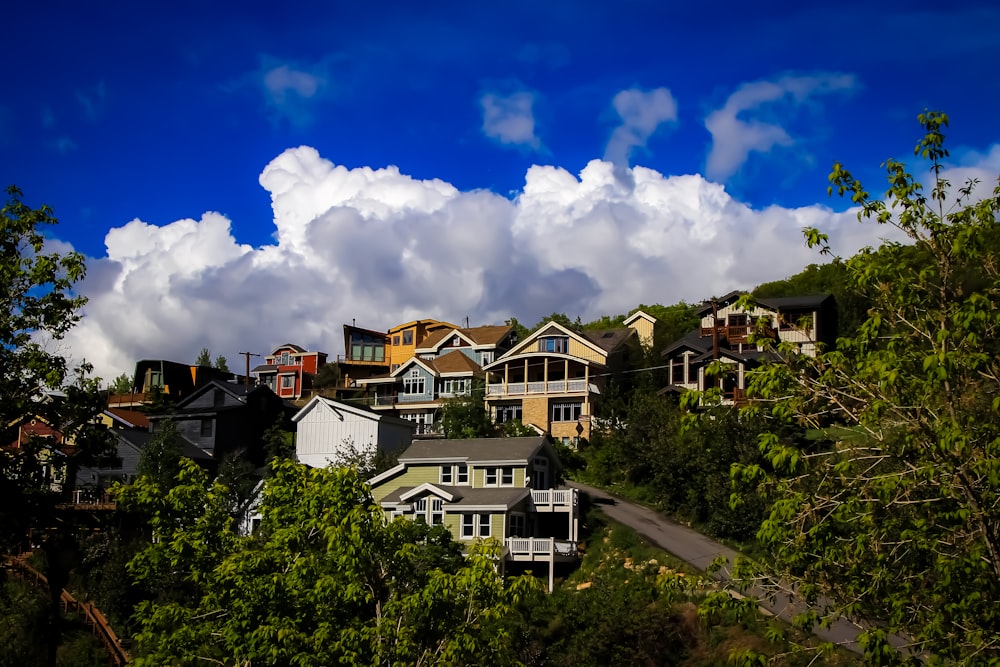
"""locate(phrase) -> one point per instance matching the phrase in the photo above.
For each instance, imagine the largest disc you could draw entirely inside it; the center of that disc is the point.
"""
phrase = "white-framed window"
(437, 511)
(432, 512)
(413, 383)
(287, 381)
(486, 358)
(456, 386)
(499, 476)
(566, 412)
(554, 344)
(285, 358)
(507, 412)
(484, 525)
(456, 341)
(423, 420)
(462, 474)
(491, 477)
(420, 510)
(446, 475)
(507, 476)
(468, 526)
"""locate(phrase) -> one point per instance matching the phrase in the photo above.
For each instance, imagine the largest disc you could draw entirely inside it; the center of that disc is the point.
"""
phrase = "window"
(507, 412)
(491, 477)
(437, 511)
(516, 526)
(287, 381)
(408, 337)
(218, 398)
(468, 526)
(206, 427)
(677, 370)
(284, 358)
(446, 474)
(413, 383)
(423, 420)
(554, 344)
(486, 358)
(460, 386)
(566, 412)
(395, 340)
(462, 476)
(420, 510)
(484, 525)
(499, 476)
(507, 476)
(456, 341)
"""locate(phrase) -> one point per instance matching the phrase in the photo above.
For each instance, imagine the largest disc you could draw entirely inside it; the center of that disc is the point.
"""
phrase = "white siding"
(324, 432)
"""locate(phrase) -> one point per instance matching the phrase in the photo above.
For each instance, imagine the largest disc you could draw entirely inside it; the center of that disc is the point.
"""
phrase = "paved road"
(698, 550)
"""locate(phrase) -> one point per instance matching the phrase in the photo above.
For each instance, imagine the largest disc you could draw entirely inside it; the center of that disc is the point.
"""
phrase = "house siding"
(412, 476)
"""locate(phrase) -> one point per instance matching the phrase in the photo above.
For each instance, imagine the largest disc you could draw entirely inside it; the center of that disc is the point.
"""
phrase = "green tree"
(160, 459)
(891, 507)
(327, 377)
(38, 306)
(121, 385)
(221, 364)
(466, 416)
(204, 358)
(325, 580)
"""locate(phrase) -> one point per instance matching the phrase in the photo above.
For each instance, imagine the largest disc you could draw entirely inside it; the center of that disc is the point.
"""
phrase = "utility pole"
(248, 355)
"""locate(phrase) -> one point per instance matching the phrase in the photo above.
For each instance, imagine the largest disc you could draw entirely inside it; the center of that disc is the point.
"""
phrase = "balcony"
(554, 500)
(360, 361)
(537, 388)
(739, 333)
(539, 549)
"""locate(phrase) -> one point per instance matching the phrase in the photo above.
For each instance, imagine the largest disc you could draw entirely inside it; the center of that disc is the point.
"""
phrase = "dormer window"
(559, 344)
(413, 383)
(456, 341)
(284, 358)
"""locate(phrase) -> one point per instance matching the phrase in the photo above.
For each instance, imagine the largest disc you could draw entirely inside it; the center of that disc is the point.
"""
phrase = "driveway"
(694, 548)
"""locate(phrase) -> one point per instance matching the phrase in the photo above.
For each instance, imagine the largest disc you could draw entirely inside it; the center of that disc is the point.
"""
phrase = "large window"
(475, 525)
(554, 344)
(429, 512)
(284, 359)
(408, 337)
(566, 412)
(365, 347)
(506, 412)
(287, 381)
(413, 383)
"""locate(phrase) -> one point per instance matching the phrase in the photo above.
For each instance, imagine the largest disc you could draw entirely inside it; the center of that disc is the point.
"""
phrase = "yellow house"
(405, 338)
(552, 378)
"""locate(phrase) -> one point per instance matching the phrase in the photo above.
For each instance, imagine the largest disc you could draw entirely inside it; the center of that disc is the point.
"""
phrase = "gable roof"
(639, 314)
(475, 336)
(548, 329)
(454, 362)
(461, 496)
(340, 408)
(475, 450)
(291, 345)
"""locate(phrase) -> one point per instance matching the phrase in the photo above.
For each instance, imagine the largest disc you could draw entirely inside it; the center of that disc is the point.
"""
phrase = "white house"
(325, 429)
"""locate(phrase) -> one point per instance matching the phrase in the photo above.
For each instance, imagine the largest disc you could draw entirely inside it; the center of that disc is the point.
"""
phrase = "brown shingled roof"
(607, 339)
(485, 335)
(453, 362)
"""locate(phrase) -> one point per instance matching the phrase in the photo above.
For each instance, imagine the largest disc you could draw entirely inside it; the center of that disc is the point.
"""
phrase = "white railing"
(554, 497)
(539, 546)
(522, 388)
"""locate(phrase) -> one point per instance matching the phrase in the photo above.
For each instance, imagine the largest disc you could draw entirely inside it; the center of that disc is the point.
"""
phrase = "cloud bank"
(378, 247)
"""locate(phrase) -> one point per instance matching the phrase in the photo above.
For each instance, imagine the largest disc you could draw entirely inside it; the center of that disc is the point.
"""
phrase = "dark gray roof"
(468, 496)
(808, 301)
(608, 339)
(264, 367)
(139, 440)
(692, 340)
(478, 449)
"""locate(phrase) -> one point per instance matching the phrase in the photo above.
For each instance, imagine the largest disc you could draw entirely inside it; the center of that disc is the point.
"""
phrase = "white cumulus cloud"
(736, 132)
(379, 247)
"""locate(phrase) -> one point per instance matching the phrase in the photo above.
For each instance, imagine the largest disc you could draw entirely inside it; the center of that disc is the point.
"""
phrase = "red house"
(288, 371)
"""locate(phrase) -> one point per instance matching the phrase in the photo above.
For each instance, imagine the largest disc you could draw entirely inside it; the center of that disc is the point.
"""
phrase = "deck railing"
(544, 498)
(537, 547)
(529, 388)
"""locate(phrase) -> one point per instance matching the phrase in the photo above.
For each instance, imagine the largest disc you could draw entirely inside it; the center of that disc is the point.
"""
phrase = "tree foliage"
(466, 416)
(892, 508)
(204, 357)
(221, 364)
(121, 384)
(325, 580)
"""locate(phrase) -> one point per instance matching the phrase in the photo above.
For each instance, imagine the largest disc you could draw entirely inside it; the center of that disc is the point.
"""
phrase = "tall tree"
(121, 384)
(38, 306)
(325, 580)
(204, 358)
(890, 507)
(221, 364)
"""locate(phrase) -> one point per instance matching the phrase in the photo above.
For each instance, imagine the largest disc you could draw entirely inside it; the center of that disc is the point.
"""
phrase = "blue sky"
(247, 174)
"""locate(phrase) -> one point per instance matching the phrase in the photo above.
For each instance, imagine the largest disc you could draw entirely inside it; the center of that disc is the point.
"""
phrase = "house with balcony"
(553, 379)
(289, 370)
(418, 388)
(487, 488)
(366, 355)
(731, 335)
